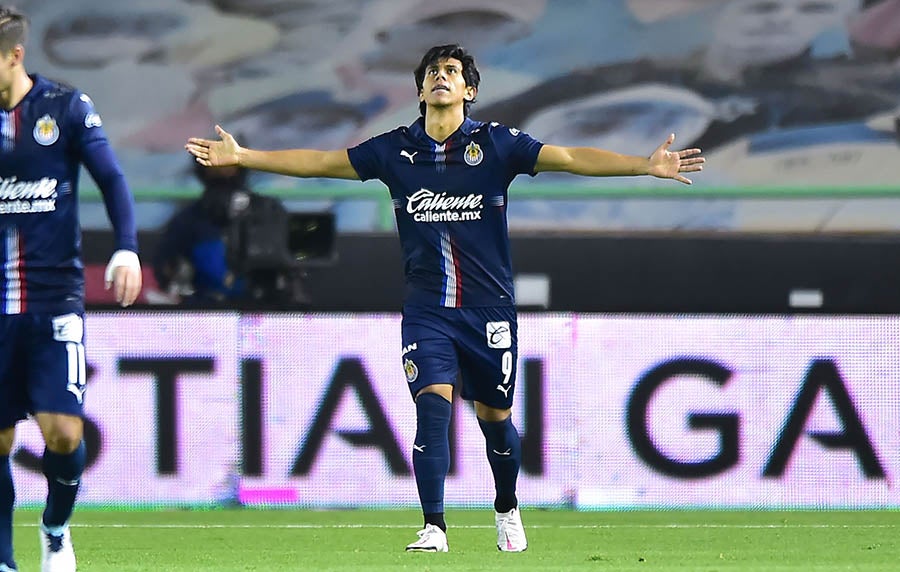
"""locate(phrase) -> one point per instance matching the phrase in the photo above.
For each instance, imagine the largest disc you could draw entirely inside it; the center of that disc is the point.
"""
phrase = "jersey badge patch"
(474, 154)
(92, 120)
(499, 335)
(412, 370)
(46, 131)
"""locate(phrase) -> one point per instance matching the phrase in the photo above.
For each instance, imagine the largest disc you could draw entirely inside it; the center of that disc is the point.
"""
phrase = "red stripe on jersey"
(23, 290)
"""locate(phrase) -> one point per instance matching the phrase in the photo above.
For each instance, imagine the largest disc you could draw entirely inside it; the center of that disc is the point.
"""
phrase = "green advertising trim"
(374, 192)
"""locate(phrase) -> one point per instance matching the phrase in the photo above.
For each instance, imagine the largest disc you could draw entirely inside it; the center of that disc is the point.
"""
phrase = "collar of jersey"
(40, 83)
(417, 129)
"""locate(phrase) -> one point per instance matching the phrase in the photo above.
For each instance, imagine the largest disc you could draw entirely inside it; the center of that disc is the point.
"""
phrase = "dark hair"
(13, 28)
(438, 53)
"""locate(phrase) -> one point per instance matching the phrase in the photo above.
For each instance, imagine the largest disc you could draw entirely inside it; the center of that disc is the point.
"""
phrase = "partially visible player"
(47, 130)
(448, 177)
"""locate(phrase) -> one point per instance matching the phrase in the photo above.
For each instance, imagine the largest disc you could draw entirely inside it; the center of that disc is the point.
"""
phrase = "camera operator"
(229, 247)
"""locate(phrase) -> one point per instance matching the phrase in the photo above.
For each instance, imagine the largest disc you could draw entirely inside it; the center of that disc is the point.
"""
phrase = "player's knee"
(7, 436)
(62, 433)
(63, 442)
(442, 389)
(492, 414)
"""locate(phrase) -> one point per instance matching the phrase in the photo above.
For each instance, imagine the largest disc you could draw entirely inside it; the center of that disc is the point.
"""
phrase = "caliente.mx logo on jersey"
(24, 197)
(428, 206)
(46, 131)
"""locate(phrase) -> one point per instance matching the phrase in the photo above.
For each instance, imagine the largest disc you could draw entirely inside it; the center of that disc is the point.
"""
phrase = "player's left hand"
(209, 153)
(123, 274)
(667, 164)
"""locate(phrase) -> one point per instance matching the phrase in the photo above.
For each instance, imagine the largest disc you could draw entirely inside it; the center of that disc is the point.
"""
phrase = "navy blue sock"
(63, 474)
(431, 454)
(7, 500)
(504, 452)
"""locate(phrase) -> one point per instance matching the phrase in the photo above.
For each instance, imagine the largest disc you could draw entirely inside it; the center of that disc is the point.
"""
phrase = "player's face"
(9, 60)
(778, 29)
(444, 85)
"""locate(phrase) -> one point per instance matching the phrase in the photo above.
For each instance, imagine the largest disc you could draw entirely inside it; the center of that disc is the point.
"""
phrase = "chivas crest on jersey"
(46, 132)
(473, 155)
(411, 369)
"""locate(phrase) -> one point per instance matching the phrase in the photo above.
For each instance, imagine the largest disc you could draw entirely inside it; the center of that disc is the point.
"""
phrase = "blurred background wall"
(793, 101)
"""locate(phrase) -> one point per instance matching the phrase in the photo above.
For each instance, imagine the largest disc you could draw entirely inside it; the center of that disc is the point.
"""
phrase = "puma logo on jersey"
(504, 389)
(77, 391)
(505, 453)
(405, 153)
(419, 448)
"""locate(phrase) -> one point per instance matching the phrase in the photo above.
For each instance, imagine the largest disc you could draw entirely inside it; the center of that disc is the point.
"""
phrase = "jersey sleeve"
(93, 148)
(85, 124)
(366, 157)
(519, 149)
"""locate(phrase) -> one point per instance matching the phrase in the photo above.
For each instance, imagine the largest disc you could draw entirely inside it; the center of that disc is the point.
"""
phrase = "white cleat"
(431, 539)
(57, 553)
(510, 532)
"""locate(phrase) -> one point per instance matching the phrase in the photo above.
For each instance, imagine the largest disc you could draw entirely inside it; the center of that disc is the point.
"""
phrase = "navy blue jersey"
(43, 141)
(450, 201)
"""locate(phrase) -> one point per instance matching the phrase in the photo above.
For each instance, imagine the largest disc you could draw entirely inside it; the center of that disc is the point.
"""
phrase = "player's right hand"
(124, 274)
(221, 153)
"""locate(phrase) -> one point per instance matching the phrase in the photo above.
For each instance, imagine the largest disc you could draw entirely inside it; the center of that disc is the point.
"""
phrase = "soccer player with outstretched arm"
(448, 176)
(47, 130)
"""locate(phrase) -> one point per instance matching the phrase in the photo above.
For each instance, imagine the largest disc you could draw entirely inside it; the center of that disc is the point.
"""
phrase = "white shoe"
(431, 539)
(510, 532)
(57, 553)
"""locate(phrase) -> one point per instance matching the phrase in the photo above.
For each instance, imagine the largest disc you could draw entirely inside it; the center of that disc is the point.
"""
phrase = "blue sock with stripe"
(504, 452)
(63, 474)
(7, 500)
(431, 454)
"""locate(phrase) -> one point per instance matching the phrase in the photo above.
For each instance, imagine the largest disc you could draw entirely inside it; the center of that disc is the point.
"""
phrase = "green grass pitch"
(283, 540)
